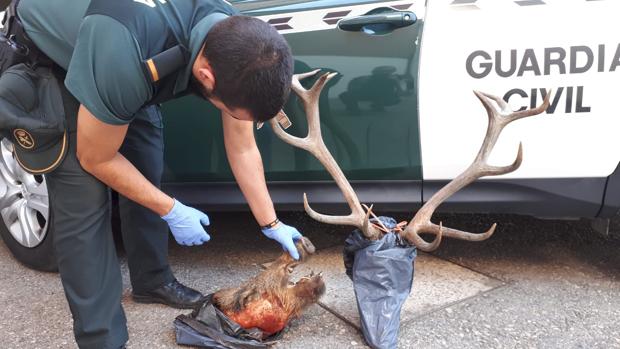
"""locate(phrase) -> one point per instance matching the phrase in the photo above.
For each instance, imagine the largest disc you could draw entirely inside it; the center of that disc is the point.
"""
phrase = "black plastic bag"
(382, 275)
(208, 327)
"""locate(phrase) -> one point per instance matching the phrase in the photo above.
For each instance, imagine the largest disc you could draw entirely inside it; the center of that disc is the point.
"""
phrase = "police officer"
(122, 59)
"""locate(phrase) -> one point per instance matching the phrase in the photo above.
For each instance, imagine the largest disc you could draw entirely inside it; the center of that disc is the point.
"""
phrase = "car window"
(287, 5)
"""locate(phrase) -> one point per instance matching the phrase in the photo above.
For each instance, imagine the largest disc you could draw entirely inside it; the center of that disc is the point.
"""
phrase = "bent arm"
(97, 151)
(247, 166)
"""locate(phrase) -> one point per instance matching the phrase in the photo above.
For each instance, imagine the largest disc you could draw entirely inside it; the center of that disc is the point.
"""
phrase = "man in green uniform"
(115, 82)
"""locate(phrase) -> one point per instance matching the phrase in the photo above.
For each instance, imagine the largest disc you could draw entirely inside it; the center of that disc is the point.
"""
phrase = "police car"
(401, 118)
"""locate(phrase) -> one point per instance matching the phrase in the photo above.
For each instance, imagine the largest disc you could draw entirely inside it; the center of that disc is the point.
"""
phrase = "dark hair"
(252, 64)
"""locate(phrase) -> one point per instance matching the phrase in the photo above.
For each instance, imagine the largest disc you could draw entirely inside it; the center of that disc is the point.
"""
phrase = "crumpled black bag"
(208, 327)
(382, 275)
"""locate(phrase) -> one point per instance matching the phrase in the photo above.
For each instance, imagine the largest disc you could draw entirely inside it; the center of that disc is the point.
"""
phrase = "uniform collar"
(197, 36)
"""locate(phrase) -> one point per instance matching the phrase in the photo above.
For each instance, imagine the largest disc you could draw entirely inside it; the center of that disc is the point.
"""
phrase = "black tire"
(614, 226)
(41, 257)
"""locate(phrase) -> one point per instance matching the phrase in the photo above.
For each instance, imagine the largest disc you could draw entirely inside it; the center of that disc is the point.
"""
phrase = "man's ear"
(206, 77)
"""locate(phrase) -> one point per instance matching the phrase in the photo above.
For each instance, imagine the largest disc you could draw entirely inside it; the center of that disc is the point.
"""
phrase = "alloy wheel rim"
(24, 200)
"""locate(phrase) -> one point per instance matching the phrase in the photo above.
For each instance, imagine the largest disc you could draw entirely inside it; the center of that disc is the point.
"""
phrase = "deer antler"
(421, 223)
(498, 119)
(314, 144)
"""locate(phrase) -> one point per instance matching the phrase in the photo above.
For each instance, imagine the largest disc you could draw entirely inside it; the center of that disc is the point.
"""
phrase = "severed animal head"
(270, 300)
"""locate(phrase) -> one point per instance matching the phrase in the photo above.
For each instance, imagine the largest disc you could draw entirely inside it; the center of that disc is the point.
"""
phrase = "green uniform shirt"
(102, 58)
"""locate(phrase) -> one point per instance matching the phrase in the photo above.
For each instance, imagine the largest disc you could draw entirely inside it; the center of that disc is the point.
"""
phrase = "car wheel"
(26, 225)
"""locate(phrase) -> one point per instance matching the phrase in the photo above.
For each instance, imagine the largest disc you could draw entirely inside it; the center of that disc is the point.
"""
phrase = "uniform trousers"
(83, 241)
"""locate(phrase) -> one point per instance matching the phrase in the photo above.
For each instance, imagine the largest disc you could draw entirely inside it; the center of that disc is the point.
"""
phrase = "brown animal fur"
(267, 301)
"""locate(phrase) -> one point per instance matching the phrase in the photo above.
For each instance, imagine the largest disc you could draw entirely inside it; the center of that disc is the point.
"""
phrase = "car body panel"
(368, 112)
(514, 49)
(570, 152)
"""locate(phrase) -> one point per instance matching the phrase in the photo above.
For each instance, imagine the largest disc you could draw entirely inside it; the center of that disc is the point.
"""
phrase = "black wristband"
(271, 225)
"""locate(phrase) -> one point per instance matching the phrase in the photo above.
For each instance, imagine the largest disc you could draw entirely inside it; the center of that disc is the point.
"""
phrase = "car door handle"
(395, 20)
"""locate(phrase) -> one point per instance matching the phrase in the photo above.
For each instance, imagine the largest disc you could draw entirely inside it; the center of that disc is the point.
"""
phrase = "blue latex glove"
(186, 224)
(286, 236)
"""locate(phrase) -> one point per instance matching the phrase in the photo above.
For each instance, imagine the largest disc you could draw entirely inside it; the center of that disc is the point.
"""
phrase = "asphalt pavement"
(534, 284)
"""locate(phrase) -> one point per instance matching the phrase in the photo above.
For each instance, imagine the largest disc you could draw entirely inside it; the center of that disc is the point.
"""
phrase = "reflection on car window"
(249, 5)
(252, 5)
